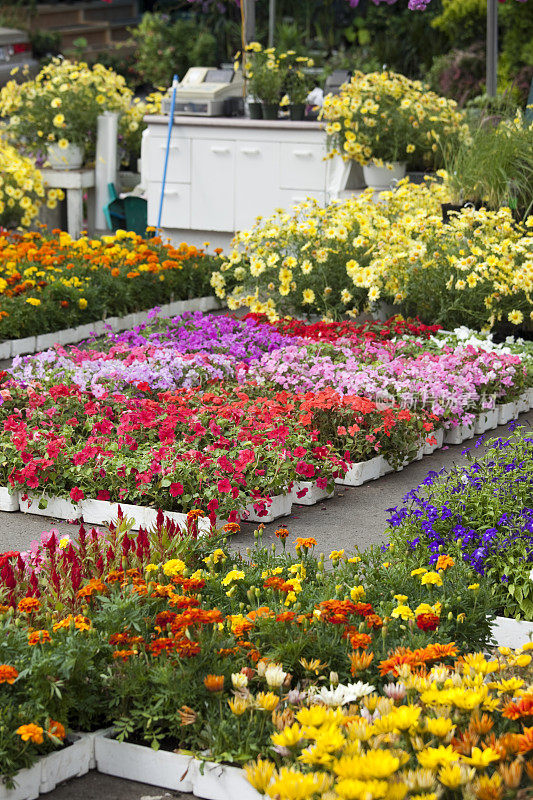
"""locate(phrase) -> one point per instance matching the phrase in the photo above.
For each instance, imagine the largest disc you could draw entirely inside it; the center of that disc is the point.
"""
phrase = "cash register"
(208, 92)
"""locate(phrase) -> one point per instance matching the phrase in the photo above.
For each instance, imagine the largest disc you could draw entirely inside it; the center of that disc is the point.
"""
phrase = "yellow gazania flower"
(433, 757)
(58, 120)
(260, 773)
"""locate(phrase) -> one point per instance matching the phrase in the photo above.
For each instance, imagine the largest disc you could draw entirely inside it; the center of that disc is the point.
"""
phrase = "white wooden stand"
(74, 182)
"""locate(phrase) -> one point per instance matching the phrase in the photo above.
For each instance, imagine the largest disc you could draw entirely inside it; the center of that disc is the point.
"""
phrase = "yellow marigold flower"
(432, 578)
(232, 576)
(33, 301)
(474, 587)
(174, 567)
(82, 302)
(402, 612)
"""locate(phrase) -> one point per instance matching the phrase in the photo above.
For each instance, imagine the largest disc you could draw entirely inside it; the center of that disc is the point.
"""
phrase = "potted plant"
(57, 112)
(493, 167)
(386, 121)
(265, 81)
(297, 82)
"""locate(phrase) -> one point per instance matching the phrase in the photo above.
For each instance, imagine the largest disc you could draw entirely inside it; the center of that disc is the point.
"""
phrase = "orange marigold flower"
(373, 621)
(194, 513)
(94, 585)
(8, 674)
(305, 543)
(214, 683)
(281, 533)
(56, 729)
(360, 640)
(31, 732)
(123, 654)
(443, 562)
(28, 604)
(231, 527)
(38, 637)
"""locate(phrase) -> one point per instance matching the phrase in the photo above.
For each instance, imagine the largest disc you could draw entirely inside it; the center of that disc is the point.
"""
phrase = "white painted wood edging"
(35, 344)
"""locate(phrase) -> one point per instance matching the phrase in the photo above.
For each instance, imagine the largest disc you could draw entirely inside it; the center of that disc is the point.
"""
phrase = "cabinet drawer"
(291, 197)
(303, 166)
(176, 205)
(179, 159)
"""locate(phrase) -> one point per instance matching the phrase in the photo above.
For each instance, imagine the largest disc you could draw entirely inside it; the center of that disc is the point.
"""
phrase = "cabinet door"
(303, 166)
(212, 178)
(176, 204)
(256, 181)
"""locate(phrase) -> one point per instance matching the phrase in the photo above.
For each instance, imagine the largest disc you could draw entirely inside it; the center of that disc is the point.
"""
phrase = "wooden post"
(492, 47)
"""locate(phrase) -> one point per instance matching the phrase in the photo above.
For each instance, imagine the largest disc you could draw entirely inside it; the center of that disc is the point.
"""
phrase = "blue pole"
(170, 123)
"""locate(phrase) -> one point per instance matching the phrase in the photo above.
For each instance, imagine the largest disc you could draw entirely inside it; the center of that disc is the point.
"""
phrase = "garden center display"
(186, 421)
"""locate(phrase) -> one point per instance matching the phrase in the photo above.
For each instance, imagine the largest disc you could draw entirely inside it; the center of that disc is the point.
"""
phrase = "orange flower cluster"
(416, 658)
(8, 674)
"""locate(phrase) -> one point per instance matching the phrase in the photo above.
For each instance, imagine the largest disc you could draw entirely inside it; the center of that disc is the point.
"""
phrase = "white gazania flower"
(274, 675)
(343, 694)
(239, 680)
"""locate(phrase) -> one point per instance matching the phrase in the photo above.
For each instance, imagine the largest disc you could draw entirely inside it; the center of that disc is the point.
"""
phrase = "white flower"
(343, 694)
(239, 680)
(274, 675)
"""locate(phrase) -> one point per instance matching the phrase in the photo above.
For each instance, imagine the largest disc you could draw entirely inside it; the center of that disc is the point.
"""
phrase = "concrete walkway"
(354, 517)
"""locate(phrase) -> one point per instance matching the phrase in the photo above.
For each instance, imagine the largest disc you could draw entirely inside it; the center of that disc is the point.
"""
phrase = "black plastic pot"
(256, 110)
(449, 207)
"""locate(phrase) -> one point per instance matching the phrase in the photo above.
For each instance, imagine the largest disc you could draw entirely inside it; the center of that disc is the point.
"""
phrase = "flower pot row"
(168, 770)
(35, 344)
(73, 760)
(97, 512)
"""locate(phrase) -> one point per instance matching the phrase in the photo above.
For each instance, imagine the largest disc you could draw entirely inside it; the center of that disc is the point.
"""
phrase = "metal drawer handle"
(302, 153)
(171, 192)
(250, 151)
(172, 147)
(220, 150)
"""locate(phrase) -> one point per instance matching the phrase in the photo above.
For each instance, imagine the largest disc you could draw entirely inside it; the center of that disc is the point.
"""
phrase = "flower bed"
(169, 623)
(229, 416)
(355, 254)
(481, 513)
(49, 283)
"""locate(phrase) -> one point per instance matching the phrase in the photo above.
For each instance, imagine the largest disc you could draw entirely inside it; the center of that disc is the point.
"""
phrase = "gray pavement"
(354, 517)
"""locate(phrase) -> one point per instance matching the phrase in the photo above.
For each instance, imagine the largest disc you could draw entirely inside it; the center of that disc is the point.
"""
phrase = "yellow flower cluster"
(386, 117)
(131, 123)
(62, 104)
(456, 731)
(353, 253)
(22, 191)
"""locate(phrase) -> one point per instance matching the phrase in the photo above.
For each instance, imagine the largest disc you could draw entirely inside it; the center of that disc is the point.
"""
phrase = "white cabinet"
(224, 173)
(256, 185)
(212, 187)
